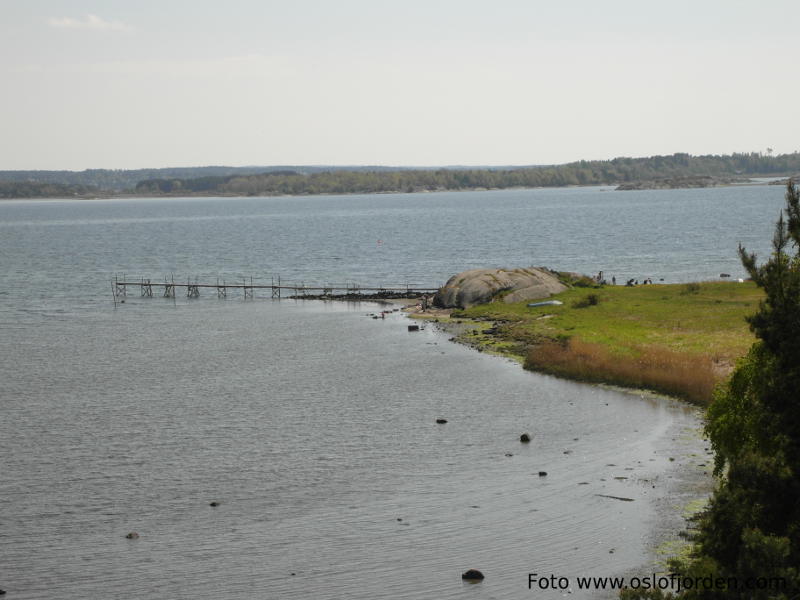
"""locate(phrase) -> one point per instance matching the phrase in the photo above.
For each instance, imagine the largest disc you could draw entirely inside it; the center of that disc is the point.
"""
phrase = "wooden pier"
(148, 288)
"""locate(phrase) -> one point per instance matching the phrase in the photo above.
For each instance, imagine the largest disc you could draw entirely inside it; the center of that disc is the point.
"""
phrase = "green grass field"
(620, 334)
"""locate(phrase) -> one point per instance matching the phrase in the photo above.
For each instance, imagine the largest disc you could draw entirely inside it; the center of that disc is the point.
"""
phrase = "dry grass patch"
(680, 374)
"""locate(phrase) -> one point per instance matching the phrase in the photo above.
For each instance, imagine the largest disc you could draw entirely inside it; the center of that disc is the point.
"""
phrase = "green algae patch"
(671, 551)
(694, 508)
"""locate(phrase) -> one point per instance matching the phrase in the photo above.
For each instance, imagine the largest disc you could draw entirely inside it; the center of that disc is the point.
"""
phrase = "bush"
(576, 280)
(590, 300)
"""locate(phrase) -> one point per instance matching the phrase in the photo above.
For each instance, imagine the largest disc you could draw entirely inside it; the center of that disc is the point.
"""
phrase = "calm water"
(313, 424)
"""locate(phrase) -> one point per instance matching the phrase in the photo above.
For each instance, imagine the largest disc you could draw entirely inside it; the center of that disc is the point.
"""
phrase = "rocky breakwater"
(478, 286)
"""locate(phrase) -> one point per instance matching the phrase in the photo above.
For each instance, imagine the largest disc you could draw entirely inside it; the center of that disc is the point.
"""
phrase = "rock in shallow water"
(472, 575)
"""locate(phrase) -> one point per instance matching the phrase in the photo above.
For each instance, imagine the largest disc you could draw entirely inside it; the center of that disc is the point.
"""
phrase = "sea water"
(313, 424)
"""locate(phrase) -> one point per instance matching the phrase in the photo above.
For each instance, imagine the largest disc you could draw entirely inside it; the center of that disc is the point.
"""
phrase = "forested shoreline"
(272, 181)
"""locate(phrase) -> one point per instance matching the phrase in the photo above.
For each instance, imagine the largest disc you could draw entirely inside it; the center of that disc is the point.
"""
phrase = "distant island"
(785, 182)
(683, 182)
(655, 172)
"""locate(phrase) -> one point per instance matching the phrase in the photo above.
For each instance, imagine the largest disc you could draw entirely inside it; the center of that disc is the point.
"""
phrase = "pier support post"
(192, 289)
(147, 289)
(120, 289)
(169, 288)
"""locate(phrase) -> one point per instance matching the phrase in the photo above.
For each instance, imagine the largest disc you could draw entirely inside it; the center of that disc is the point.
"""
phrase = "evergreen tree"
(751, 530)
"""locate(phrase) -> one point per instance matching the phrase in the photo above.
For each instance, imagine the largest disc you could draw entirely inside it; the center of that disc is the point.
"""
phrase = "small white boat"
(547, 303)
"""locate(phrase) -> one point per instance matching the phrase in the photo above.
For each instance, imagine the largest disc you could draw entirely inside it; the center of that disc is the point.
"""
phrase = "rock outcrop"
(478, 286)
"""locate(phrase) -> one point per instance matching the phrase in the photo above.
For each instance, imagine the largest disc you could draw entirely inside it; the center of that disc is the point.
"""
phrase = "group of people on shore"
(630, 282)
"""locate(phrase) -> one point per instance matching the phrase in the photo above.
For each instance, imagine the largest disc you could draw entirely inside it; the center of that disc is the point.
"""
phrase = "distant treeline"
(266, 181)
(121, 180)
(24, 189)
(616, 171)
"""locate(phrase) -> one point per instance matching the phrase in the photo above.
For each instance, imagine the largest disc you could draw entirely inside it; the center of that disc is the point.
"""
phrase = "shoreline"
(688, 482)
(611, 186)
(131, 196)
(386, 297)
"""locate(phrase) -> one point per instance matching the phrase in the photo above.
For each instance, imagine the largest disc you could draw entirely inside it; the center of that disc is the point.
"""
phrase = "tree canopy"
(281, 180)
(366, 181)
(751, 529)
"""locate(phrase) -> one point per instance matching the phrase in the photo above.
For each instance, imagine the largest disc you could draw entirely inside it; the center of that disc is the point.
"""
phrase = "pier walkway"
(167, 289)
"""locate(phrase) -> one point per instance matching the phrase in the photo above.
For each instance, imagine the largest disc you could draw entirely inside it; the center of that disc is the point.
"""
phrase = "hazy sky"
(140, 83)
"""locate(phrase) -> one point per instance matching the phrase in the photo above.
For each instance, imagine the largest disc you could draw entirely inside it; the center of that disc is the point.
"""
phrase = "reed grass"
(688, 376)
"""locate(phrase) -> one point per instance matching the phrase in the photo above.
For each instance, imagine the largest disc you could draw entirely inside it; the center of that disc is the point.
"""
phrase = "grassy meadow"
(678, 339)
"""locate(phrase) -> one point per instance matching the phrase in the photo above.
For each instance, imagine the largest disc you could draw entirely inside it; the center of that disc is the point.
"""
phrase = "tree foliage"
(366, 181)
(275, 180)
(125, 179)
(752, 526)
(26, 189)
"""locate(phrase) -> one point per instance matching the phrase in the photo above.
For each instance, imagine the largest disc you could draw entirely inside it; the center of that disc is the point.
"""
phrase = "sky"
(133, 84)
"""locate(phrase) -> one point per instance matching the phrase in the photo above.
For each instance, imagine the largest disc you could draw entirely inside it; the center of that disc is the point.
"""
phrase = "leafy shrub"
(590, 300)
(575, 280)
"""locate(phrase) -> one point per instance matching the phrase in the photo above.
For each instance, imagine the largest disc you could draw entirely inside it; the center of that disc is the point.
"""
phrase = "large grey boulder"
(478, 286)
